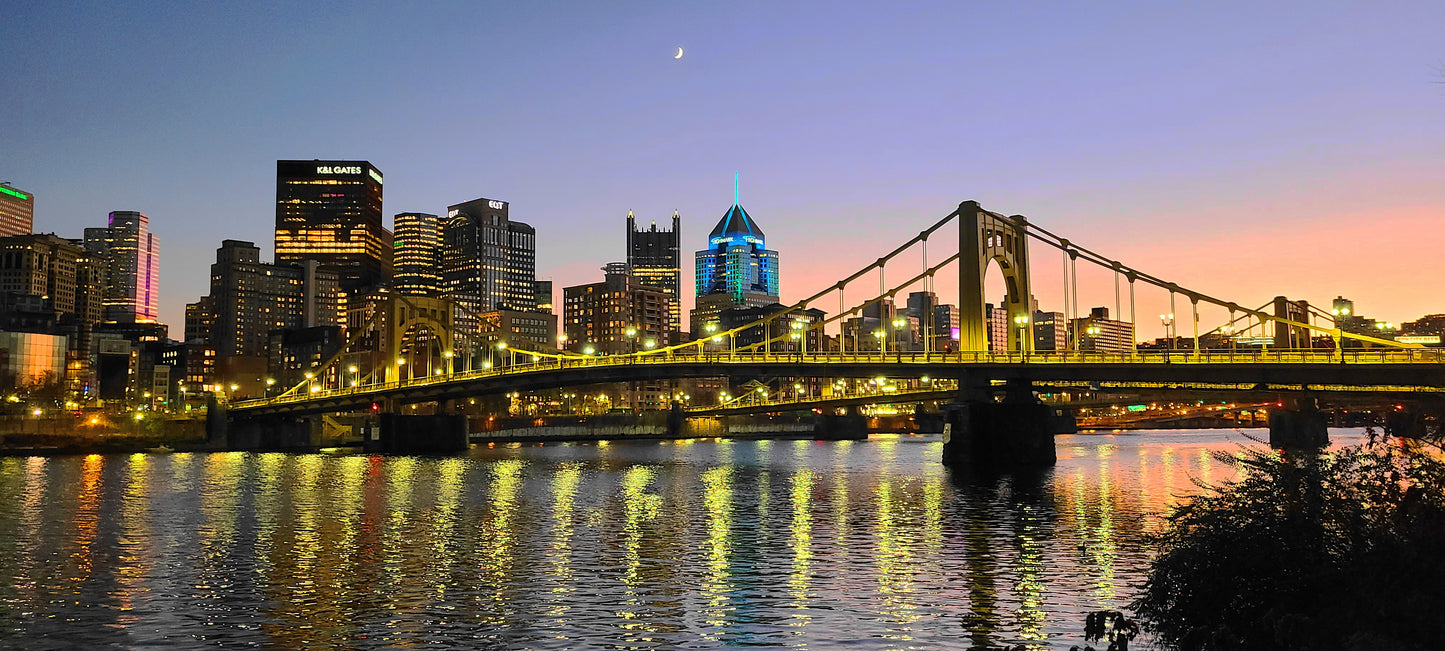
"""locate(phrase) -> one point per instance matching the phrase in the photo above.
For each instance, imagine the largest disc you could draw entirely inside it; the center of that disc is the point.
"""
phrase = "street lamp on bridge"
(1167, 320)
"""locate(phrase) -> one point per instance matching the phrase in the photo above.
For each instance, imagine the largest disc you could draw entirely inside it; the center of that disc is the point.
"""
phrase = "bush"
(1339, 550)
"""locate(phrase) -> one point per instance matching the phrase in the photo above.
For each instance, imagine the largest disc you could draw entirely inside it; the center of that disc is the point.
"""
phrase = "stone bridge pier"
(1017, 432)
(1298, 425)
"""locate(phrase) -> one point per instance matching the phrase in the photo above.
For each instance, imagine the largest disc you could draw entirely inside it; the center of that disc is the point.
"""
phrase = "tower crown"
(736, 227)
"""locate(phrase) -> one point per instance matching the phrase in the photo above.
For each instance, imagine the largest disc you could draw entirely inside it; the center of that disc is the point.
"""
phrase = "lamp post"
(354, 371)
(882, 336)
(898, 324)
(1340, 313)
(1167, 320)
(1092, 334)
(1022, 323)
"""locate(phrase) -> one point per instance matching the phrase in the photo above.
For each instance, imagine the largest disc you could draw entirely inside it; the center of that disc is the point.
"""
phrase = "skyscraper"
(131, 292)
(250, 298)
(17, 211)
(330, 212)
(736, 270)
(488, 261)
(656, 261)
(417, 254)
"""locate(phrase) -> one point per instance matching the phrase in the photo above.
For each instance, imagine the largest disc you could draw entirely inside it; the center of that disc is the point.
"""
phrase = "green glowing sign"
(18, 195)
(1136, 407)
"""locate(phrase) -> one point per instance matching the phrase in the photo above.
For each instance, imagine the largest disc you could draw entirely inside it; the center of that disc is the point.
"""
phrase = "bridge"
(466, 366)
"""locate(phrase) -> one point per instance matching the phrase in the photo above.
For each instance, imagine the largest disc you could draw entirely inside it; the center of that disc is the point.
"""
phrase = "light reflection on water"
(645, 545)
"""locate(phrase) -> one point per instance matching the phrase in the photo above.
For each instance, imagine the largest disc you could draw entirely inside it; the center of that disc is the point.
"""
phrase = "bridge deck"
(1413, 367)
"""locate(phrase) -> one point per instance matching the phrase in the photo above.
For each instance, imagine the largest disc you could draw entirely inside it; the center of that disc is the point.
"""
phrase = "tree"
(1339, 550)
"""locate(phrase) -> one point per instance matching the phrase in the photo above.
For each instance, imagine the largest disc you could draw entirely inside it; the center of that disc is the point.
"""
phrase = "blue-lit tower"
(736, 270)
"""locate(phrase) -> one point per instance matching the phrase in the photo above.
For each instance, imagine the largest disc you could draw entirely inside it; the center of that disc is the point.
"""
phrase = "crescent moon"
(679, 53)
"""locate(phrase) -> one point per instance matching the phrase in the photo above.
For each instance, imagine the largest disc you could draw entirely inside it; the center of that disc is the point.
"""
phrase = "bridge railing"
(905, 358)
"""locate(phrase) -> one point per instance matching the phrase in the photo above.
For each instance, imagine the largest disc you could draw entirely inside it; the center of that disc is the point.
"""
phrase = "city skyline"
(1249, 133)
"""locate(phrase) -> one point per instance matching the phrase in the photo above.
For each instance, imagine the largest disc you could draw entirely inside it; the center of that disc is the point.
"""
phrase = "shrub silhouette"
(1336, 550)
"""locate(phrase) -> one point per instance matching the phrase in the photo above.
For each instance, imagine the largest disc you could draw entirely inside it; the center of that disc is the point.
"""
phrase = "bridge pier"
(1016, 433)
(1298, 425)
(1409, 422)
(429, 434)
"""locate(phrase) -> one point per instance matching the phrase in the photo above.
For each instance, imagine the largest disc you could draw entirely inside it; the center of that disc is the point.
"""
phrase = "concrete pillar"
(1404, 423)
(832, 427)
(216, 421)
(1298, 424)
(1017, 433)
(429, 434)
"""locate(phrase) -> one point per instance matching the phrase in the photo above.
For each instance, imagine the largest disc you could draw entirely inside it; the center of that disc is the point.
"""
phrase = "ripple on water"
(696, 544)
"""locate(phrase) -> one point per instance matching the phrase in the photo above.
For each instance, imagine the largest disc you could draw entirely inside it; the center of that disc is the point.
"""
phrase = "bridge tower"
(985, 237)
(407, 313)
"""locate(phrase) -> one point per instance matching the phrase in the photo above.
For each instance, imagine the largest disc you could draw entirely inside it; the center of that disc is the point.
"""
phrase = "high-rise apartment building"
(131, 252)
(997, 328)
(1100, 334)
(250, 298)
(1051, 331)
(599, 316)
(736, 270)
(543, 291)
(17, 211)
(417, 254)
(488, 260)
(330, 212)
(61, 278)
(656, 261)
(945, 327)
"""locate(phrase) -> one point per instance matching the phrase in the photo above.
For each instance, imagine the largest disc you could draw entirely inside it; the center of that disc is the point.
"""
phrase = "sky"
(1240, 150)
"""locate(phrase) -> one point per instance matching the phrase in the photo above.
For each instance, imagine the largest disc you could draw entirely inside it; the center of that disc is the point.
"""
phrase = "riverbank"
(102, 435)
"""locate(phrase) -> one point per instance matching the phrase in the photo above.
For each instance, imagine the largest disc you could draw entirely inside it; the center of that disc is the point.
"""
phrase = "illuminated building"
(416, 254)
(1051, 332)
(200, 319)
(330, 212)
(17, 211)
(250, 298)
(193, 369)
(131, 291)
(656, 261)
(32, 357)
(46, 266)
(794, 322)
(1100, 334)
(996, 320)
(488, 260)
(544, 296)
(736, 270)
(530, 330)
(293, 352)
(945, 327)
(62, 278)
(618, 316)
(599, 316)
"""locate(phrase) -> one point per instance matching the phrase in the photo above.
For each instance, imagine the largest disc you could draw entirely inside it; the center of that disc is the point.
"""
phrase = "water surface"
(689, 544)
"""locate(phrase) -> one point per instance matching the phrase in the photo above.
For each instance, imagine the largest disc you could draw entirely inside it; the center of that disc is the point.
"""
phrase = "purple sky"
(1241, 150)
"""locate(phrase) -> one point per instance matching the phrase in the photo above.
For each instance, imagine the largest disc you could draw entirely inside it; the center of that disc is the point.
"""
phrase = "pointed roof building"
(736, 227)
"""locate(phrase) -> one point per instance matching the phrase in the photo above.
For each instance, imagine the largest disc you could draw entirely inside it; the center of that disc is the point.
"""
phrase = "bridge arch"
(983, 238)
(415, 314)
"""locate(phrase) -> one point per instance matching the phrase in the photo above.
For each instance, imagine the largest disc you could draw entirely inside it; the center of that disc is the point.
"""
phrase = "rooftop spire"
(735, 188)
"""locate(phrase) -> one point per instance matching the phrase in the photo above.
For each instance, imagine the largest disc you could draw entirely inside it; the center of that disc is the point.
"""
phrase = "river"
(686, 544)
